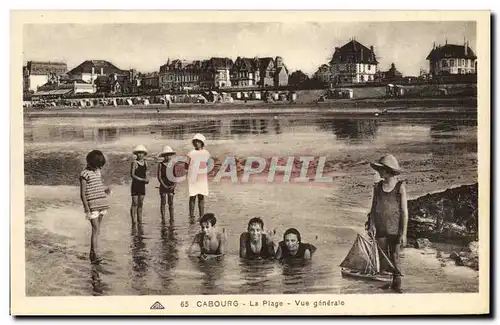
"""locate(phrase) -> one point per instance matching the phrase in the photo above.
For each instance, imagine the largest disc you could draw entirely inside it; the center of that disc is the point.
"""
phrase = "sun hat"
(167, 151)
(199, 137)
(387, 161)
(140, 148)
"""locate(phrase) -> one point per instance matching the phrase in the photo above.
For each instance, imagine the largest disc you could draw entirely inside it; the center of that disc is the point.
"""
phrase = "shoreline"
(125, 112)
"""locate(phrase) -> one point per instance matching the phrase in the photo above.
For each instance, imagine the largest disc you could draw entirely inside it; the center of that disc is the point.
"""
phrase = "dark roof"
(354, 52)
(451, 51)
(221, 63)
(46, 67)
(86, 67)
(264, 62)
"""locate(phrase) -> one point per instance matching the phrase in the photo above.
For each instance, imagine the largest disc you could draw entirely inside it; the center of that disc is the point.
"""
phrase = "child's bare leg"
(139, 208)
(133, 209)
(192, 201)
(170, 205)
(201, 205)
(93, 239)
(162, 206)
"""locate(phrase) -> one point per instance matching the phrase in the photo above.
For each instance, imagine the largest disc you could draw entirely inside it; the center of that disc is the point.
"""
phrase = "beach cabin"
(276, 96)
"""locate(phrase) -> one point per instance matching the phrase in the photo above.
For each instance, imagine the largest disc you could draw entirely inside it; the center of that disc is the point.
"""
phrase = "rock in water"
(474, 248)
(449, 216)
(423, 243)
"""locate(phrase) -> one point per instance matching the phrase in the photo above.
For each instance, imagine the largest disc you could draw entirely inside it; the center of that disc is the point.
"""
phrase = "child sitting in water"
(292, 247)
(254, 243)
(388, 218)
(166, 170)
(94, 195)
(209, 242)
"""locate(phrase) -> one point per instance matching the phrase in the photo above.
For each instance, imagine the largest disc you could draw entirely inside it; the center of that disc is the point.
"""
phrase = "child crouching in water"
(292, 247)
(388, 218)
(210, 242)
(255, 243)
(166, 170)
(94, 195)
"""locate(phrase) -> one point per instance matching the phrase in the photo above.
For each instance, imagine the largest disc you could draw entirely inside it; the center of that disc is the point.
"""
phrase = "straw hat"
(140, 148)
(199, 137)
(387, 161)
(167, 151)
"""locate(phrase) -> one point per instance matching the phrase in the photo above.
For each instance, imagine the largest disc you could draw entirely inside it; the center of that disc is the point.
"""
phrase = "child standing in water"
(166, 170)
(94, 194)
(139, 174)
(210, 241)
(292, 247)
(198, 160)
(388, 218)
(254, 243)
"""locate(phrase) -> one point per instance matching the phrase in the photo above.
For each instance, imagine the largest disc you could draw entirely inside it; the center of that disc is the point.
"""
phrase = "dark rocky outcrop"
(447, 217)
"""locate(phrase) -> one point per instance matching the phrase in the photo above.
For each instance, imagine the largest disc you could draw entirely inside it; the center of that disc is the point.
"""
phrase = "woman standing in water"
(94, 195)
(388, 219)
(254, 243)
(292, 247)
(198, 160)
(139, 174)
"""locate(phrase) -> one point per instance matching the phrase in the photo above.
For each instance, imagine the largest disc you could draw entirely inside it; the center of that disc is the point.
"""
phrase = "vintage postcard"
(250, 163)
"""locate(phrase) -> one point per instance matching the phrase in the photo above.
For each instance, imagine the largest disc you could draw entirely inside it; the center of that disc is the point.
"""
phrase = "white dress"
(198, 172)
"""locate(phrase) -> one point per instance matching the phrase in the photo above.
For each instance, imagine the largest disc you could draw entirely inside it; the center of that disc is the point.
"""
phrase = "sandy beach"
(153, 261)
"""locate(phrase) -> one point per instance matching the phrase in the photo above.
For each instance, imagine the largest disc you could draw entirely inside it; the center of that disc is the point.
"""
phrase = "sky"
(304, 46)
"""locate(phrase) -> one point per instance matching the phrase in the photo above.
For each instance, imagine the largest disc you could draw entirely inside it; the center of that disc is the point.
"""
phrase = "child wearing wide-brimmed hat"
(388, 218)
(139, 174)
(197, 164)
(166, 176)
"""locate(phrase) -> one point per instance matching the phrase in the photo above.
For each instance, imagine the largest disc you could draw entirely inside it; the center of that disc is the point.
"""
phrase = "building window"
(452, 63)
(444, 63)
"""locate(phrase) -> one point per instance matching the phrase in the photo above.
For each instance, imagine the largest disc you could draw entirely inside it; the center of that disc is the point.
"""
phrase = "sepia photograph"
(294, 163)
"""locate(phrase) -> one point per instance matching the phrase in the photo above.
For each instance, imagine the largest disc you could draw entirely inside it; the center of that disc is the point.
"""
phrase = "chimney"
(102, 71)
(433, 45)
(361, 55)
(466, 45)
(93, 70)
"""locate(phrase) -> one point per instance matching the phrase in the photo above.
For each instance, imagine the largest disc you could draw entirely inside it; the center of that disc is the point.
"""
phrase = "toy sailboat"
(366, 260)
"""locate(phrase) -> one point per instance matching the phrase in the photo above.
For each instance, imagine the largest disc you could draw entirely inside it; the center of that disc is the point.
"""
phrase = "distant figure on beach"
(94, 195)
(139, 174)
(166, 170)
(292, 247)
(210, 242)
(254, 243)
(388, 218)
(197, 166)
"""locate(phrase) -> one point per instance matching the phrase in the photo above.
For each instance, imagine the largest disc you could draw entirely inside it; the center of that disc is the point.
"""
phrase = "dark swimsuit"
(285, 253)
(138, 187)
(170, 189)
(264, 251)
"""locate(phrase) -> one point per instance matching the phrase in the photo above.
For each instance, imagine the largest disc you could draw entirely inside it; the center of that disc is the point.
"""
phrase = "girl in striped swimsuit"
(94, 197)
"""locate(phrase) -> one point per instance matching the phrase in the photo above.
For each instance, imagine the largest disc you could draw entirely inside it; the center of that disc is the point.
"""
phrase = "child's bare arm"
(83, 187)
(222, 243)
(404, 212)
(195, 248)
(278, 253)
(243, 247)
(370, 224)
